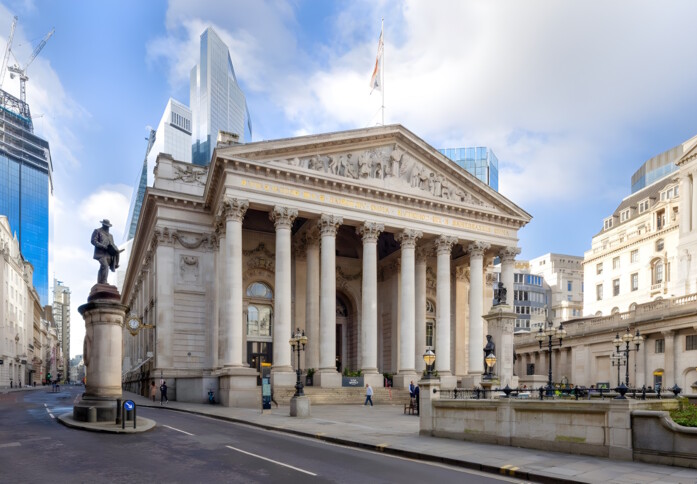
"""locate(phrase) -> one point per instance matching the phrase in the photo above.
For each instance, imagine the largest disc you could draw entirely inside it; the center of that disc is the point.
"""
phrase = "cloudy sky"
(572, 96)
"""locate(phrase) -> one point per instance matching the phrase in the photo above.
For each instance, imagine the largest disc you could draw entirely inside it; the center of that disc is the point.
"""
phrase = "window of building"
(635, 281)
(635, 255)
(599, 292)
(569, 286)
(429, 333)
(599, 268)
(660, 346)
(660, 219)
(643, 206)
(608, 223)
(430, 323)
(624, 215)
(658, 272)
(659, 245)
(691, 342)
(518, 278)
(675, 191)
(259, 310)
(568, 298)
(615, 262)
(616, 287)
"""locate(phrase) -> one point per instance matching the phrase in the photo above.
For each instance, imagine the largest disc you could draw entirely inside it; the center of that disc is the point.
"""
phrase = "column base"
(471, 380)
(106, 409)
(404, 378)
(281, 378)
(375, 380)
(327, 379)
(238, 388)
(300, 407)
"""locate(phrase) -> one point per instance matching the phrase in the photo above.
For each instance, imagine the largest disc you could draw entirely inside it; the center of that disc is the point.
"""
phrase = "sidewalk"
(386, 429)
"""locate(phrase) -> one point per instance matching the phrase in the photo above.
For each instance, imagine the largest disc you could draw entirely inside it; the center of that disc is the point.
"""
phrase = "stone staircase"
(344, 395)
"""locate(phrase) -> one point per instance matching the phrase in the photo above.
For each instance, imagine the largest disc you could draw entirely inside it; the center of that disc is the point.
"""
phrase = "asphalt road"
(186, 448)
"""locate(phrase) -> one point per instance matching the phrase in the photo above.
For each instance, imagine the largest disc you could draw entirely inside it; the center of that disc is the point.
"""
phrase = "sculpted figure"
(437, 185)
(364, 165)
(395, 158)
(343, 165)
(316, 163)
(334, 164)
(446, 189)
(351, 170)
(415, 176)
(105, 251)
(378, 169)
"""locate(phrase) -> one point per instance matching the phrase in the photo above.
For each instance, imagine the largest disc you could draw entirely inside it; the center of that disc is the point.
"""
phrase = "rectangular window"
(660, 345)
(624, 215)
(635, 281)
(599, 268)
(429, 333)
(569, 286)
(608, 224)
(691, 342)
(616, 263)
(599, 292)
(616, 287)
(635, 255)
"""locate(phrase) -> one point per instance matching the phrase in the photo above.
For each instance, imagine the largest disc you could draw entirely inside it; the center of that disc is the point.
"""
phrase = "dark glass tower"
(25, 185)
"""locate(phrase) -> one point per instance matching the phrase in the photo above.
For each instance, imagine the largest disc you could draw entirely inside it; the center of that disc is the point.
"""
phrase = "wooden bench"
(410, 408)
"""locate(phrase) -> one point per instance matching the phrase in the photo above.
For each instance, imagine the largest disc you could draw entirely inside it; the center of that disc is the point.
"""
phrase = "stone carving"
(462, 273)
(408, 237)
(444, 244)
(283, 217)
(260, 258)
(233, 209)
(192, 241)
(188, 268)
(190, 174)
(370, 231)
(508, 254)
(353, 277)
(431, 279)
(477, 249)
(329, 224)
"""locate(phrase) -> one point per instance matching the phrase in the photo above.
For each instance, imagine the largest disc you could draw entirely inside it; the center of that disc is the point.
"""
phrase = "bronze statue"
(500, 294)
(105, 251)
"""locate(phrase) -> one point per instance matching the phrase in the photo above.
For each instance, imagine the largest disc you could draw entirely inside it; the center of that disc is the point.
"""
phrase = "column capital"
(508, 254)
(444, 244)
(477, 249)
(408, 237)
(462, 273)
(370, 231)
(233, 209)
(311, 238)
(329, 224)
(283, 217)
(423, 253)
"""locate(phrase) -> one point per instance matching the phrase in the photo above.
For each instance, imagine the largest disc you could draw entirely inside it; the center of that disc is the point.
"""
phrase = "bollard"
(92, 414)
(129, 415)
(118, 411)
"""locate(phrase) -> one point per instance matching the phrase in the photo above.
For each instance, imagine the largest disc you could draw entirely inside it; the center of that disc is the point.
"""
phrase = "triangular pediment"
(385, 158)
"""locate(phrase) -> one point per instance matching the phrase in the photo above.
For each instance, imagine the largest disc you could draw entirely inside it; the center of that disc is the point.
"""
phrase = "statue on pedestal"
(500, 294)
(105, 251)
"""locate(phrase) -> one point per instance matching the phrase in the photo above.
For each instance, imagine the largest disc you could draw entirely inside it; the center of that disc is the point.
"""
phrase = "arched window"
(615, 310)
(632, 307)
(658, 272)
(598, 313)
(430, 324)
(259, 311)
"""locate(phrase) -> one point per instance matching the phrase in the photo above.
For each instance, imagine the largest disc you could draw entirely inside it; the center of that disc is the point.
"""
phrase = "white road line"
(48, 410)
(10, 444)
(271, 460)
(51, 415)
(45, 405)
(187, 433)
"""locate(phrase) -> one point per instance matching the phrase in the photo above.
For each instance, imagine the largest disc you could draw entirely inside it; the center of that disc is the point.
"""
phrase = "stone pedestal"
(300, 407)
(471, 380)
(103, 353)
(402, 380)
(375, 380)
(238, 387)
(327, 379)
(426, 397)
(500, 323)
(283, 378)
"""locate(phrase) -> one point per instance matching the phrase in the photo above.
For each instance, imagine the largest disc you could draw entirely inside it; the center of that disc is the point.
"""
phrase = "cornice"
(632, 244)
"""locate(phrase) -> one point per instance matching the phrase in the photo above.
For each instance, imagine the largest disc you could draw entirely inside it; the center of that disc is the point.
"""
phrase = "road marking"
(51, 415)
(381, 447)
(182, 431)
(11, 444)
(271, 460)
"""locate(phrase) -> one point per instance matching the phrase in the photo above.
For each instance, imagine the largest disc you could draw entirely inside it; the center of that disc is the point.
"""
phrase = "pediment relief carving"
(389, 167)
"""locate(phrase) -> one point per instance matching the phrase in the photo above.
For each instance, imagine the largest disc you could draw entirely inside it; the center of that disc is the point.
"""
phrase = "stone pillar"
(444, 245)
(500, 323)
(232, 290)
(420, 308)
(640, 377)
(312, 298)
(327, 376)
(669, 356)
(685, 205)
(407, 333)
(476, 334)
(103, 353)
(427, 396)
(507, 256)
(282, 373)
(370, 231)
(693, 201)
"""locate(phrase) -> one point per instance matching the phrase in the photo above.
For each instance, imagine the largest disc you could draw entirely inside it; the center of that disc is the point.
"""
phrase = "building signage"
(351, 381)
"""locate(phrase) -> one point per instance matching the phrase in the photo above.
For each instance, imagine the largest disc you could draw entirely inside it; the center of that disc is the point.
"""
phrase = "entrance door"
(259, 352)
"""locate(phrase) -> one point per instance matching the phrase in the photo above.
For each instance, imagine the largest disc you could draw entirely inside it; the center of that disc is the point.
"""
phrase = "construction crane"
(22, 71)
(3, 68)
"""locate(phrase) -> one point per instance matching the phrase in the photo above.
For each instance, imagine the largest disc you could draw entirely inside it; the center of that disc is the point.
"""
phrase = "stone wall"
(657, 439)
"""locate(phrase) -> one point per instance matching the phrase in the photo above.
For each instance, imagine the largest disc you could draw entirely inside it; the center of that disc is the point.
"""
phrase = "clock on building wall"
(134, 324)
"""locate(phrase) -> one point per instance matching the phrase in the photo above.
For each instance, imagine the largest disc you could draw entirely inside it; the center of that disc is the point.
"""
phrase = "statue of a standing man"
(105, 251)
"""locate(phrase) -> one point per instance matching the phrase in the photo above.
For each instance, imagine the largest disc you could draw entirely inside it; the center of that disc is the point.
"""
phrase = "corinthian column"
(232, 291)
(685, 205)
(476, 336)
(507, 256)
(370, 231)
(282, 218)
(444, 245)
(327, 375)
(312, 298)
(407, 371)
(420, 305)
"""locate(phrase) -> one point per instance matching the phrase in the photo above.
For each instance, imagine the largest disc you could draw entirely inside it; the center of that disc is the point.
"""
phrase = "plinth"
(102, 352)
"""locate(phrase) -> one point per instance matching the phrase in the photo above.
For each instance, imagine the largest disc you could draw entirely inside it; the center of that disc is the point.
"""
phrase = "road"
(34, 447)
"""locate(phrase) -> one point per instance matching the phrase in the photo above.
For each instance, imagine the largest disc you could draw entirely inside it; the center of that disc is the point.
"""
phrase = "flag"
(376, 79)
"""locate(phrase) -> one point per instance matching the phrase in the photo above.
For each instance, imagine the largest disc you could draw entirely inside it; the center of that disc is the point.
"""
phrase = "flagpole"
(382, 73)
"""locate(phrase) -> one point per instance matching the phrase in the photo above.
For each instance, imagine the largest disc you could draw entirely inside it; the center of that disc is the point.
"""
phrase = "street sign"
(128, 405)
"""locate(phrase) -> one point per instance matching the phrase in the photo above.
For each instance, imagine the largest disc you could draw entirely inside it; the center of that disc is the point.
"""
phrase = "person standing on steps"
(163, 393)
(368, 395)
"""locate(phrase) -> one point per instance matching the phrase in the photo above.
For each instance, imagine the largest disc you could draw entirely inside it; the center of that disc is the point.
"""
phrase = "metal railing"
(576, 393)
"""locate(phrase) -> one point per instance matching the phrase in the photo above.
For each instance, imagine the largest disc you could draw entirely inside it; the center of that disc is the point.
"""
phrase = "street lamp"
(429, 359)
(549, 333)
(298, 342)
(490, 361)
(618, 360)
(627, 338)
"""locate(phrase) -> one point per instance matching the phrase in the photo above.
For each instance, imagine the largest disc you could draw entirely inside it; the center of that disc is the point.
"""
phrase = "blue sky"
(572, 96)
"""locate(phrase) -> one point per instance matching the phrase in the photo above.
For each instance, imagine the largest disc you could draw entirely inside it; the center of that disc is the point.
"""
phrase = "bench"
(410, 408)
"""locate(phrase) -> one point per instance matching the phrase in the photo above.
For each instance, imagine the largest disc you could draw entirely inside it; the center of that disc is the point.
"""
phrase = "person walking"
(368, 395)
(153, 390)
(163, 393)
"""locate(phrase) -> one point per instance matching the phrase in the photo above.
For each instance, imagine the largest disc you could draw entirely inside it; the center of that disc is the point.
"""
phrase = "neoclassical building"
(371, 241)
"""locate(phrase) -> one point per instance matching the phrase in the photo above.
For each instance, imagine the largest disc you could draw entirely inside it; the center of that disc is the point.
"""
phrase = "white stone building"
(359, 238)
(563, 275)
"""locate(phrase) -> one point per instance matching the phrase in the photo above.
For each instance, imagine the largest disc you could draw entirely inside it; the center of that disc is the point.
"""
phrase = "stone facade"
(354, 237)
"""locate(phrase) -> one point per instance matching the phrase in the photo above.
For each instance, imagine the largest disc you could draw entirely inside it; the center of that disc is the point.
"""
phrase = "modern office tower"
(216, 100)
(61, 315)
(659, 166)
(480, 161)
(173, 136)
(25, 185)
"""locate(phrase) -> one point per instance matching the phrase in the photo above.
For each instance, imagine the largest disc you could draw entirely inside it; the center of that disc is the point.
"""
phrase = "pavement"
(385, 428)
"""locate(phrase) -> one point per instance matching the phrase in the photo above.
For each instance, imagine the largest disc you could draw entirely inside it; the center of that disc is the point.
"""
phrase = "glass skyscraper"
(25, 185)
(479, 161)
(216, 100)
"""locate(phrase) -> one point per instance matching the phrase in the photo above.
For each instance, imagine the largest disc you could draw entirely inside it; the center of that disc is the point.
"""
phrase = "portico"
(355, 237)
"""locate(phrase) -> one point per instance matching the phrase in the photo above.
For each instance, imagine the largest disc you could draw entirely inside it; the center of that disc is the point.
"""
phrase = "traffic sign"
(128, 405)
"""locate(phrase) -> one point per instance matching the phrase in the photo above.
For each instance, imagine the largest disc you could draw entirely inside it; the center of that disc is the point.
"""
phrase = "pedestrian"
(163, 393)
(411, 389)
(417, 394)
(368, 395)
(153, 390)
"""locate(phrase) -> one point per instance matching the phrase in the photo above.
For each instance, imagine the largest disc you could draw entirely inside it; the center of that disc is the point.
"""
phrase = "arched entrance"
(346, 334)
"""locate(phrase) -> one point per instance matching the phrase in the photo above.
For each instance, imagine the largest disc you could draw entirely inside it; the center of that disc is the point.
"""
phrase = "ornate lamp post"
(549, 333)
(626, 338)
(429, 359)
(298, 342)
(618, 360)
(490, 361)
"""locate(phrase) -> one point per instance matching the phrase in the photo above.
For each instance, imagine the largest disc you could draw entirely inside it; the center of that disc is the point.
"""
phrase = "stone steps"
(344, 395)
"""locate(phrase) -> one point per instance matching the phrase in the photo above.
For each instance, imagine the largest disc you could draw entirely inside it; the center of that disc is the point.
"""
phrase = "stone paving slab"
(386, 429)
